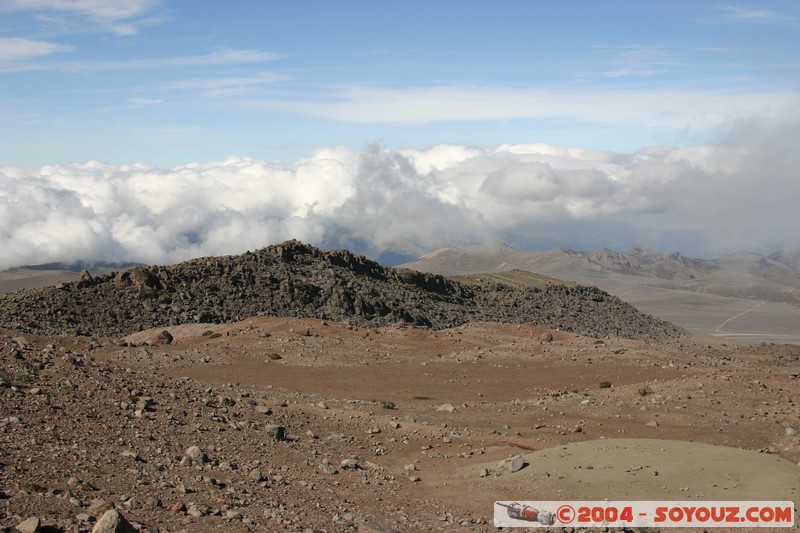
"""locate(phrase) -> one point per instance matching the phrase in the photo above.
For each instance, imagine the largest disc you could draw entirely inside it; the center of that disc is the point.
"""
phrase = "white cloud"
(219, 57)
(123, 18)
(741, 13)
(431, 197)
(17, 48)
(656, 108)
(146, 102)
(229, 86)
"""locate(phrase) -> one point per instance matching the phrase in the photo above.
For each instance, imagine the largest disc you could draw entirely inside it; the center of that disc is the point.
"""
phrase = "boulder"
(113, 522)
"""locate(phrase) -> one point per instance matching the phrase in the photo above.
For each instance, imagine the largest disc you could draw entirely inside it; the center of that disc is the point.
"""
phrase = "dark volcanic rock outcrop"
(294, 279)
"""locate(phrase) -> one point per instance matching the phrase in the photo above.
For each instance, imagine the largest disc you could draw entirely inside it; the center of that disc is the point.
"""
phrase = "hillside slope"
(744, 275)
(297, 280)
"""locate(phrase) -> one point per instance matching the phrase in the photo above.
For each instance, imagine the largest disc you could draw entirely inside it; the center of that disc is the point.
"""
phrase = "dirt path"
(738, 315)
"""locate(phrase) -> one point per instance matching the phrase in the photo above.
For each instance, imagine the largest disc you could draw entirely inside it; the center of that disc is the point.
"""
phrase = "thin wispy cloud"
(737, 14)
(123, 18)
(146, 102)
(417, 105)
(221, 87)
(741, 13)
(219, 57)
(633, 60)
(16, 49)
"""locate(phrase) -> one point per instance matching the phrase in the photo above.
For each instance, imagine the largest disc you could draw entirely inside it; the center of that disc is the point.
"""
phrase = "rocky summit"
(293, 279)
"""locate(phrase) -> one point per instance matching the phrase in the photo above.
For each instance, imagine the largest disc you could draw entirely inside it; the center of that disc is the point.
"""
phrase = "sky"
(160, 130)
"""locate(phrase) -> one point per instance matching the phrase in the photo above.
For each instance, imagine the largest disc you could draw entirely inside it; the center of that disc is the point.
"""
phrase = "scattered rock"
(275, 431)
(99, 506)
(516, 463)
(373, 527)
(165, 337)
(31, 525)
(328, 469)
(349, 464)
(194, 456)
(300, 280)
(447, 408)
(113, 522)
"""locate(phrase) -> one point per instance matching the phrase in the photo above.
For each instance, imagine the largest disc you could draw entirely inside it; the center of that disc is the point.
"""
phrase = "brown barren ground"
(713, 424)
(722, 415)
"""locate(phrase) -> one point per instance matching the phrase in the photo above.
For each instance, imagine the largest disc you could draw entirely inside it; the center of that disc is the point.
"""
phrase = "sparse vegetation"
(274, 356)
(388, 405)
(605, 384)
(215, 335)
(34, 488)
(207, 332)
(645, 391)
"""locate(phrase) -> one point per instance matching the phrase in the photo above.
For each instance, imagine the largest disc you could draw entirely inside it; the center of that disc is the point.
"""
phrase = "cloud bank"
(384, 200)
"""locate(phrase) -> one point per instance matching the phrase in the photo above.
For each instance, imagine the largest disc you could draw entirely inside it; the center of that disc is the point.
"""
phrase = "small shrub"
(215, 335)
(645, 391)
(605, 384)
(599, 341)
(388, 405)
(34, 488)
(423, 398)
(275, 356)
(207, 332)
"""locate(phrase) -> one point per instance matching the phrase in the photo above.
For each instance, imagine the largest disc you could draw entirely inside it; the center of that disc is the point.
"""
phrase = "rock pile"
(296, 280)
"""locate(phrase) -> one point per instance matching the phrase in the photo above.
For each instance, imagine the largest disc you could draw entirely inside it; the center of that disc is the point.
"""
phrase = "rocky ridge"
(297, 280)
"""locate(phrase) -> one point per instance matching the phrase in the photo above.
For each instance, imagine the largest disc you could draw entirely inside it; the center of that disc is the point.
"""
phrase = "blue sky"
(159, 130)
(172, 82)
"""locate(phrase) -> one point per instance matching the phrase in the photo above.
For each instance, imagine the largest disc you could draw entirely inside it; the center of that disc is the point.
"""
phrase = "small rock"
(256, 475)
(322, 405)
(195, 455)
(233, 515)
(546, 337)
(194, 511)
(329, 469)
(113, 522)
(516, 463)
(349, 464)
(31, 525)
(484, 472)
(653, 423)
(276, 432)
(791, 432)
(98, 507)
(373, 527)
(165, 337)
(446, 408)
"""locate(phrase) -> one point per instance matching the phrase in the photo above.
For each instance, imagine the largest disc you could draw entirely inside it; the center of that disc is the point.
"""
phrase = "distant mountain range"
(775, 277)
